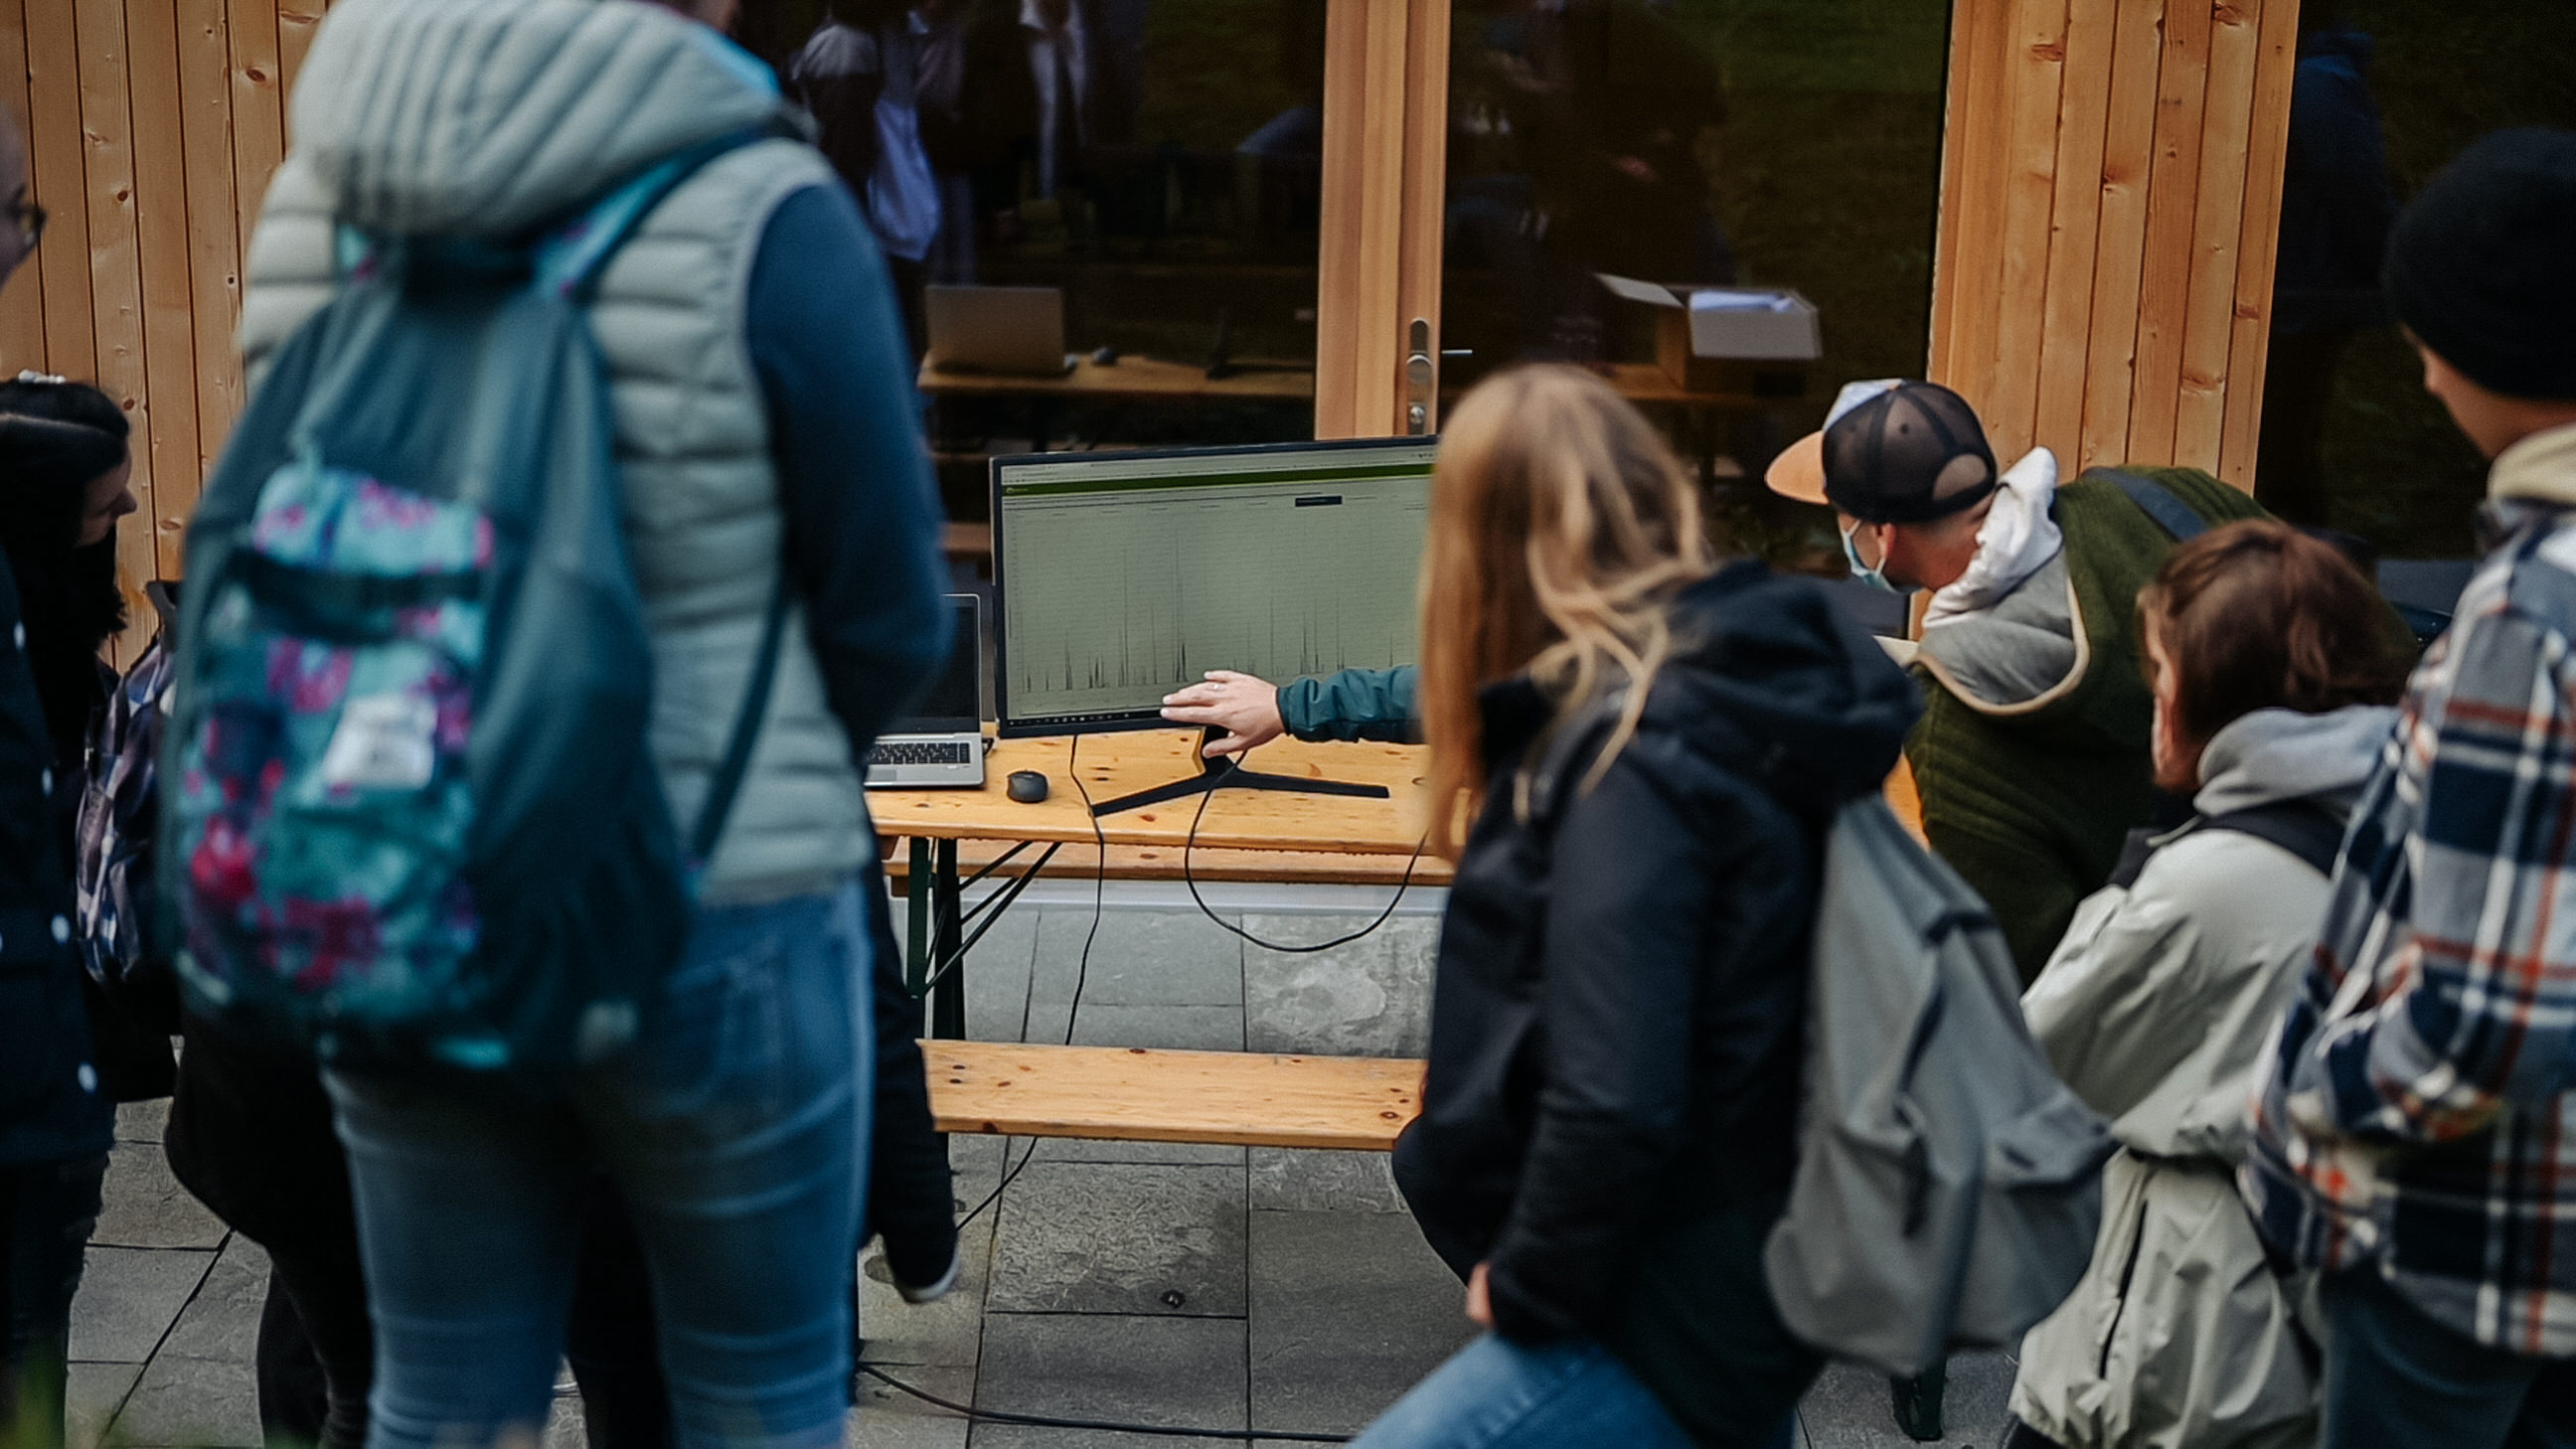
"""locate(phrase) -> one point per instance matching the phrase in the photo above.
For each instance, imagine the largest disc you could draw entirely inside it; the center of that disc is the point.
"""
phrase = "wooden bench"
(1130, 1094)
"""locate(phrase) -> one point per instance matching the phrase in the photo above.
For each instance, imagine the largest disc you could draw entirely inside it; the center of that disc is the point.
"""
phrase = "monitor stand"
(1224, 772)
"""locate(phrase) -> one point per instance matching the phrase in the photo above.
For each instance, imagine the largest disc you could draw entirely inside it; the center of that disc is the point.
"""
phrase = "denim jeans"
(2396, 1378)
(1497, 1394)
(736, 1129)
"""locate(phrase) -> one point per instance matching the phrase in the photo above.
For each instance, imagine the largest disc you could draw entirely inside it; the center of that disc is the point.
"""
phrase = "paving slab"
(888, 1418)
(91, 1398)
(128, 1299)
(1286, 1179)
(1849, 1408)
(1369, 998)
(946, 1333)
(196, 1402)
(1135, 1238)
(997, 975)
(1175, 1028)
(145, 1207)
(1139, 958)
(1200, 1154)
(1168, 1372)
(1349, 1310)
(222, 1321)
(142, 1121)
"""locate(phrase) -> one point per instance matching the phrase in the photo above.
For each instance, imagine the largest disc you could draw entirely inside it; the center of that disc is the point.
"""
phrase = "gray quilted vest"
(483, 117)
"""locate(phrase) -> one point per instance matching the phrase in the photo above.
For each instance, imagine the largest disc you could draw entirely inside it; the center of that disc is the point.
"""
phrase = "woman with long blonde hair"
(1635, 754)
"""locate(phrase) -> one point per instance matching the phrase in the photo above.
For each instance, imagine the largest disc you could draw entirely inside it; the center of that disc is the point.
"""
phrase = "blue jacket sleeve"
(862, 517)
(1355, 704)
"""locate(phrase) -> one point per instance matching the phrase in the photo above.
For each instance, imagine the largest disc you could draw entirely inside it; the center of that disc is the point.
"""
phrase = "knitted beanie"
(2482, 265)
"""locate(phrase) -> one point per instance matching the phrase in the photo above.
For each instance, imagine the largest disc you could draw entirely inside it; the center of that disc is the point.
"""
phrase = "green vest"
(2031, 802)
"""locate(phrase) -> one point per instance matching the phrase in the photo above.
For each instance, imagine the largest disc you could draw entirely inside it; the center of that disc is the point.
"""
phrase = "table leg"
(916, 926)
(948, 996)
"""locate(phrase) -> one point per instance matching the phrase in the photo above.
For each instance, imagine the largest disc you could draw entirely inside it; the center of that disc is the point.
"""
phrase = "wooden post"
(2110, 203)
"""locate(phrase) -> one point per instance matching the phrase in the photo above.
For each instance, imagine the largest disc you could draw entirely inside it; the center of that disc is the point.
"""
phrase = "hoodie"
(1618, 1015)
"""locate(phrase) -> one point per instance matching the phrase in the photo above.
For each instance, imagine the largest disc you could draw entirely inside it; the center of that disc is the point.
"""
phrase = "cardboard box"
(1740, 340)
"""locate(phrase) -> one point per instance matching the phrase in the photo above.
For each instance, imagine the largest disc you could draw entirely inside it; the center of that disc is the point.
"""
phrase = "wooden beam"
(116, 264)
(1359, 258)
(2128, 161)
(2200, 403)
(2083, 113)
(1425, 187)
(2173, 194)
(2009, 399)
(1967, 286)
(296, 20)
(214, 256)
(62, 187)
(2266, 151)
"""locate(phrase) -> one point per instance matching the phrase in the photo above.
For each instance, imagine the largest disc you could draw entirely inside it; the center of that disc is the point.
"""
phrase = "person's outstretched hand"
(1245, 706)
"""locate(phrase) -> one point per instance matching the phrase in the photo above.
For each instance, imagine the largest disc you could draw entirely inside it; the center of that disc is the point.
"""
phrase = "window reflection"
(1788, 144)
(2385, 92)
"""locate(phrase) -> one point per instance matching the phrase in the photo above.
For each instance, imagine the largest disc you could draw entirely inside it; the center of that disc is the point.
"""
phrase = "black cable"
(1082, 970)
(1045, 1421)
(1191, 840)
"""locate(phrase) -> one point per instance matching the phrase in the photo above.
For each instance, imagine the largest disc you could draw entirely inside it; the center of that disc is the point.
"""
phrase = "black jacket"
(1618, 1013)
(51, 1103)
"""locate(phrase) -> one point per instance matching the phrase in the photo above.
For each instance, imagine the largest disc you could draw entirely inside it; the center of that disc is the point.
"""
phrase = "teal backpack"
(411, 822)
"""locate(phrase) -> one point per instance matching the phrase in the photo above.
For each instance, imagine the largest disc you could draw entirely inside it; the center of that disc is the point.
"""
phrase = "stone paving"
(1181, 1286)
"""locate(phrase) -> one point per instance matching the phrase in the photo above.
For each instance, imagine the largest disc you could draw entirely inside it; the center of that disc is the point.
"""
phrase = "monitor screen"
(953, 702)
(1123, 576)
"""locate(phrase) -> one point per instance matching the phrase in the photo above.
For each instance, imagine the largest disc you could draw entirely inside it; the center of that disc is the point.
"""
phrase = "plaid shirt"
(2414, 1115)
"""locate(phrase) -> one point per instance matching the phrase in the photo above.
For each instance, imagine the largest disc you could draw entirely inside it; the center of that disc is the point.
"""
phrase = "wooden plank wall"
(154, 129)
(2110, 198)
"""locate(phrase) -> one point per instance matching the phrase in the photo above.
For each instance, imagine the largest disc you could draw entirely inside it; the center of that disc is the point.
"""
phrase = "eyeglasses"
(30, 219)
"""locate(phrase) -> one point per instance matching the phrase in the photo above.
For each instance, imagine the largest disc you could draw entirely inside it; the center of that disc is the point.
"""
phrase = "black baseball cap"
(1891, 451)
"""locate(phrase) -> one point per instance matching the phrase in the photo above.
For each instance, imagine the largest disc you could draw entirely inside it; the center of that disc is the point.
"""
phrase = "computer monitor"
(1123, 576)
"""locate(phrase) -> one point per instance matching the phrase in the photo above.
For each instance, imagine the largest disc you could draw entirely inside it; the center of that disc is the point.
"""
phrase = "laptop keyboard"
(921, 752)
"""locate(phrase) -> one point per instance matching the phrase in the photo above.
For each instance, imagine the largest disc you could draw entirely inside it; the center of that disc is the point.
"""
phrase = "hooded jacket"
(494, 118)
(2158, 1008)
(1618, 1013)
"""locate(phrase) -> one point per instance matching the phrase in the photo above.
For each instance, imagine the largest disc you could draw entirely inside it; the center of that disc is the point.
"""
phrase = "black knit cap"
(1912, 454)
(2482, 265)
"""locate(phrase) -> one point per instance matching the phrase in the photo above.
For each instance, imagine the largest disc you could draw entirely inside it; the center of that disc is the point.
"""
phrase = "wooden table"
(1305, 834)
(1111, 765)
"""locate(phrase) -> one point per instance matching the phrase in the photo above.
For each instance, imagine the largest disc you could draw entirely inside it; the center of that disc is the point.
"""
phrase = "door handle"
(1421, 377)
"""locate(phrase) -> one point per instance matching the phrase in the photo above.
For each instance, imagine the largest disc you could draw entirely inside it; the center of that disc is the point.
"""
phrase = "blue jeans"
(2396, 1378)
(1497, 1394)
(735, 1128)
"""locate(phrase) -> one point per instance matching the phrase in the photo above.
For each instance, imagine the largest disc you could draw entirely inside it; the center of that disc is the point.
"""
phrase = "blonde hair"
(1561, 526)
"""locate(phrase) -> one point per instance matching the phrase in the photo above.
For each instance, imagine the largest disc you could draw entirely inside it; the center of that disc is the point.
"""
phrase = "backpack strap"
(570, 258)
(726, 783)
(2158, 502)
(2304, 828)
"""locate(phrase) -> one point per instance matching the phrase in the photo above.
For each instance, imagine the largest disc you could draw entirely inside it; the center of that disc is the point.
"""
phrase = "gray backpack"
(1949, 1186)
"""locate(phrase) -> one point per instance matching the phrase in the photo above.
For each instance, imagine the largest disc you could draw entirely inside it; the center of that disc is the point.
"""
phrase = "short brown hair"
(2257, 615)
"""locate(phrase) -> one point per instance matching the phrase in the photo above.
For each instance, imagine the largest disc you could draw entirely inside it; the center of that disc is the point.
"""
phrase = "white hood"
(2017, 539)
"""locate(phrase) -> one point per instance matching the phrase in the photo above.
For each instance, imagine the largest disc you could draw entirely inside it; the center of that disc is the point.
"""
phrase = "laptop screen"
(953, 703)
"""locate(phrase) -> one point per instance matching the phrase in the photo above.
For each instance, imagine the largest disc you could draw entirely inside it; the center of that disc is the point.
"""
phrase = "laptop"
(941, 742)
(1012, 330)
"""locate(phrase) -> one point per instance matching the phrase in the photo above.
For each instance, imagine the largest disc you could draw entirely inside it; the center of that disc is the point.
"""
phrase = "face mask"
(1861, 571)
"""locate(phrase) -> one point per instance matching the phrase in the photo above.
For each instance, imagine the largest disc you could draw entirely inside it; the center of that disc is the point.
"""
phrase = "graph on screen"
(1124, 580)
